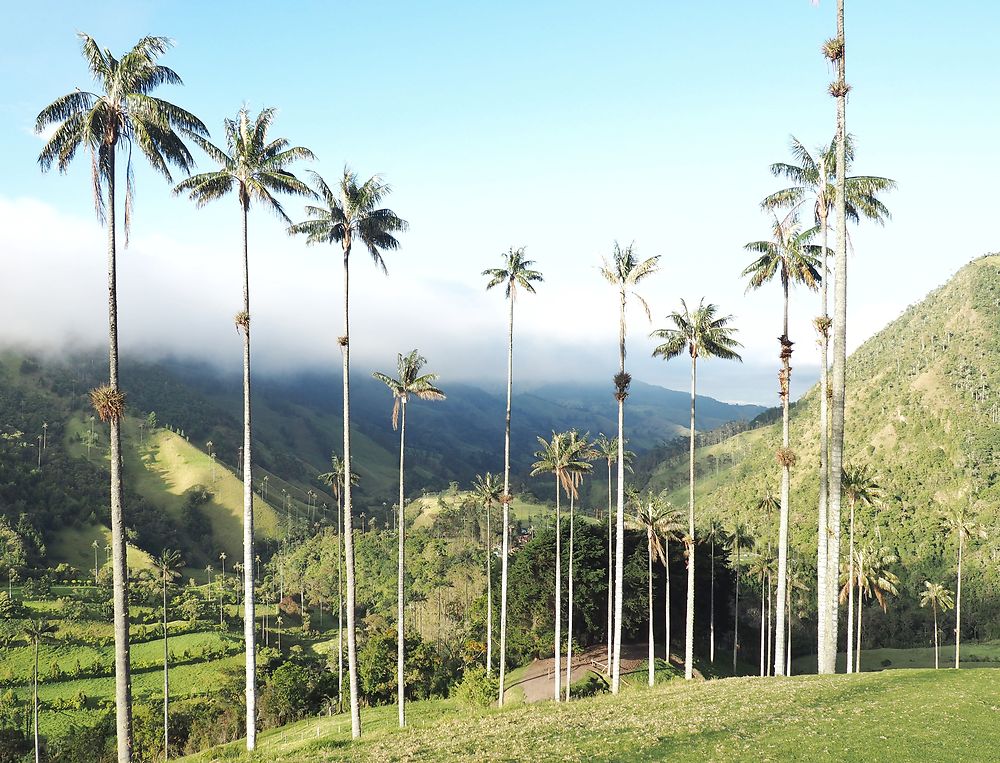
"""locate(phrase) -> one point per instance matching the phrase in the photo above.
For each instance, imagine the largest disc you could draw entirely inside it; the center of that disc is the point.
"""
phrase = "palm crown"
(937, 596)
(123, 115)
(335, 477)
(352, 211)
(515, 272)
(564, 456)
(487, 488)
(860, 485)
(789, 255)
(252, 163)
(657, 518)
(625, 271)
(607, 448)
(702, 332)
(168, 564)
(410, 382)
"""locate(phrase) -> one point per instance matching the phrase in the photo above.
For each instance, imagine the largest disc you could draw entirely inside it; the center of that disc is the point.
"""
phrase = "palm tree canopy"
(409, 382)
(36, 630)
(937, 596)
(625, 271)
(960, 522)
(860, 485)
(253, 163)
(703, 332)
(488, 488)
(564, 456)
(516, 271)
(335, 477)
(607, 448)
(789, 255)
(655, 516)
(809, 184)
(352, 211)
(122, 114)
(872, 575)
(168, 564)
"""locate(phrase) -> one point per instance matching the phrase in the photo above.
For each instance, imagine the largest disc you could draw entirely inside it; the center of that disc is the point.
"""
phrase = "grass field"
(973, 655)
(905, 715)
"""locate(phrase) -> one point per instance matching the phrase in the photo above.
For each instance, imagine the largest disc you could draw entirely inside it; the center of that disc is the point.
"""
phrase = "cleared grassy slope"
(888, 716)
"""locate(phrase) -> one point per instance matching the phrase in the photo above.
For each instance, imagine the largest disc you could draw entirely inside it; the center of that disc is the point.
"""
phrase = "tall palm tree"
(516, 272)
(715, 534)
(559, 457)
(351, 212)
(960, 523)
(650, 511)
(762, 566)
(421, 386)
(937, 597)
(584, 453)
(335, 479)
(671, 528)
(793, 260)
(488, 490)
(796, 583)
(703, 333)
(874, 580)
(860, 486)
(607, 449)
(122, 115)
(741, 538)
(624, 272)
(255, 166)
(813, 184)
(168, 567)
(36, 631)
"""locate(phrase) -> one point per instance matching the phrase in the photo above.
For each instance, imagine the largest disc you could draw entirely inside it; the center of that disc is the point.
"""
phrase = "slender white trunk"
(611, 560)
(352, 643)
(857, 651)
(786, 374)
(666, 602)
(689, 620)
(769, 667)
(823, 535)
(400, 636)
(489, 593)
(736, 612)
(788, 648)
(506, 502)
(649, 593)
(936, 665)
(620, 514)
(763, 623)
(340, 604)
(958, 603)
(166, 678)
(711, 609)
(850, 594)
(569, 599)
(557, 646)
(34, 702)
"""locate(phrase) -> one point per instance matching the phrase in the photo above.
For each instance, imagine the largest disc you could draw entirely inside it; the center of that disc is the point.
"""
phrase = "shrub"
(477, 688)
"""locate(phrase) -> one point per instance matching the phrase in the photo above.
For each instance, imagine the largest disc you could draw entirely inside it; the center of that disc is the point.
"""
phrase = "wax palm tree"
(36, 631)
(790, 257)
(860, 486)
(813, 184)
(703, 333)
(874, 580)
(962, 525)
(671, 528)
(624, 272)
(488, 490)
(936, 596)
(584, 453)
(763, 565)
(650, 510)
(796, 584)
(409, 382)
(607, 449)
(122, 115)
(255, 166)
(559, 457)
(516, 272)
(335, 479)
(740, 538)
(168, 567)
(350, 212)
(713, 535)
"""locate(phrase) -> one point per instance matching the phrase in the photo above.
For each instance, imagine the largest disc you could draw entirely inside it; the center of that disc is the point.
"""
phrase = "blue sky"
(556, 125)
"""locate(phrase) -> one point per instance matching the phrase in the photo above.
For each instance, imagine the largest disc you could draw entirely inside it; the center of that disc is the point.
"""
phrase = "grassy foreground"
(897, 715)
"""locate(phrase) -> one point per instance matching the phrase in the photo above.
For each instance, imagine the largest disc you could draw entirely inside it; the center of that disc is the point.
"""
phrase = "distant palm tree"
(560, 458)
(254, 165)
(813, 185)
(740, 538)
(608, 450)
(703, 333)
(650, 510)
(488, 490)
(793, 260)
(409, 382)
(584, 453)
(874, 580)
(671, 528)
(796, 583)
(624, 272)
(860, 486)
(36, 631)
(960, 523)
(762, 566)
(121, 116)
(516, 271)
(937, 597)
(168, 566)
(714, 534)
(351, 211)
(335, 479)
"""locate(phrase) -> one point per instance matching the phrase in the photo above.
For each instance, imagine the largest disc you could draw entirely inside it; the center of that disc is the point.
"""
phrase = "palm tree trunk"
(119, 569)
(611, 558)
(689, 625)
(736, 613)
(936, 666)
(649, 592)
(569, 598)
(958, 603)
(850, 594)
(786, 377)
(711, 609)
(620, 514)
(823, 535)
(557, 651)
(506, 502)
(763, 624)
(34, 702)
(788, 648)
(770, 627)
(340, 605)
(666, 602)
(489, 593)
(857, 651)
(352, 644)
(839, 354)
(249, 632)
(166, 677)
(400, 688)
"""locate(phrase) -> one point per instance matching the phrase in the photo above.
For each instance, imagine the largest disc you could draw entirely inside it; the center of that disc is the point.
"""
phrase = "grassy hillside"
(922, 410)
(852, 718)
